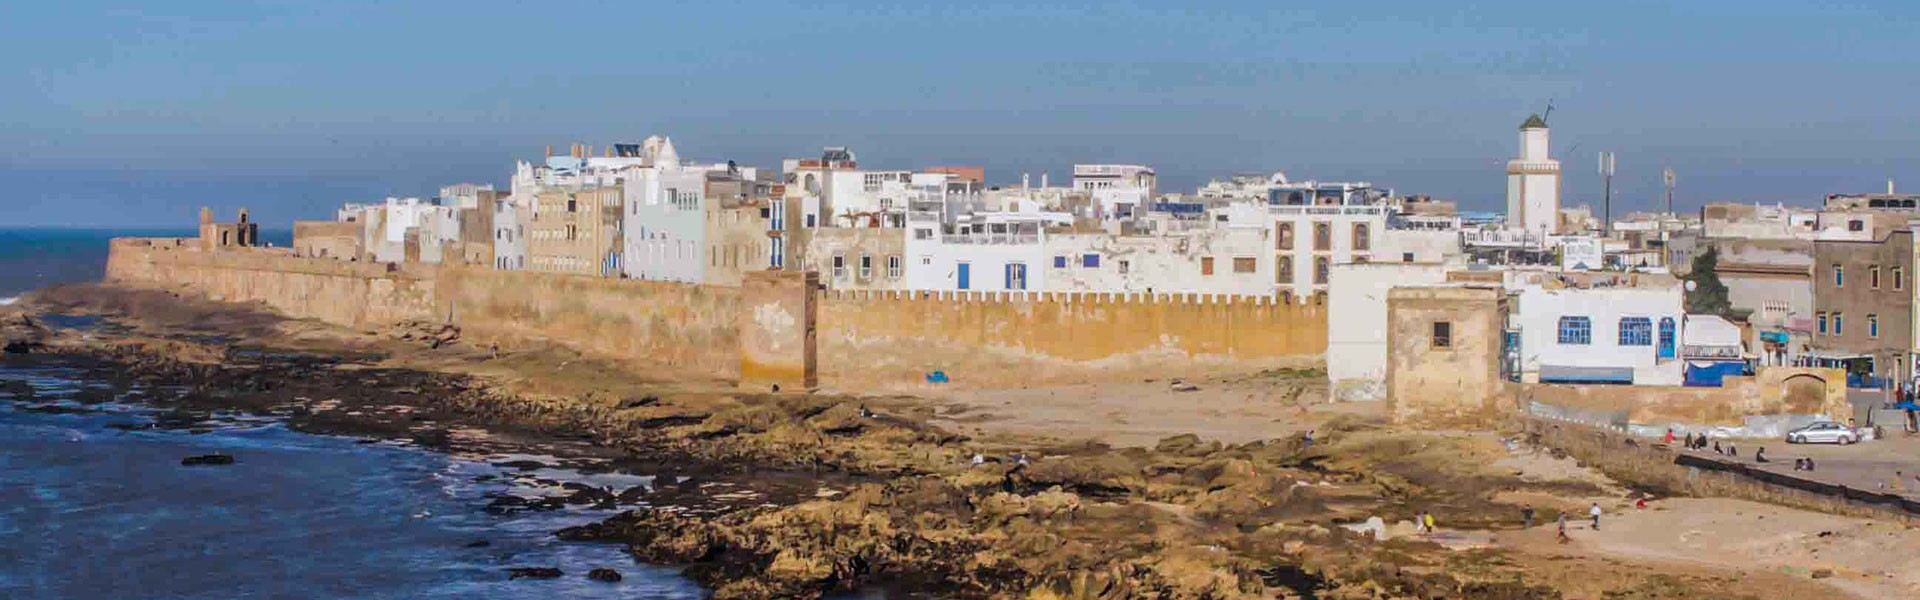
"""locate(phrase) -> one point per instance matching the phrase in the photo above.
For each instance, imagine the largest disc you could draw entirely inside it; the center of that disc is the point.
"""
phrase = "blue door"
(1666, 338)
(966, 276)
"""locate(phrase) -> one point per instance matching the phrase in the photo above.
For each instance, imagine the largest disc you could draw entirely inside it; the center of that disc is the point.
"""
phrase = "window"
(777, 217)
(1873, 277)
(893, 267)
(1406, 257)
(1820, 322)
(1856, 225)
(1123, 267)
(1245, 264)
(1320, 269)
(1206, 265)
(1059, 262)
(571, 206)
(1361, 240)
(1837, 328)
(1283, 270)
(810, 218)
(926, 260)
(777, 253)
(1283, 236)
(1873, 326)
(1090, 261)
(1839, 275)
(1016, 276)
(923, 234)
(839, 266)
(1899, 278)
(1576, 331)
(1636, 331)
(866, 266)
(1442, 334)
(1322, 236)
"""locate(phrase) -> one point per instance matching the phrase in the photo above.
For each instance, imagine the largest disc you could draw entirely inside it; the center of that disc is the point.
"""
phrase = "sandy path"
(1867, 558)
(1142, 413)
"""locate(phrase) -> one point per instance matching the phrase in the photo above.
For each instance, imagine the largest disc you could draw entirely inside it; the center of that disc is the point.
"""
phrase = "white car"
(1826, 432)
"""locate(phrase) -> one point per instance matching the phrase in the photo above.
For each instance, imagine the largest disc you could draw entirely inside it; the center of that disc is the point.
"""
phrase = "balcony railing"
(991, 238)
(1285, 210)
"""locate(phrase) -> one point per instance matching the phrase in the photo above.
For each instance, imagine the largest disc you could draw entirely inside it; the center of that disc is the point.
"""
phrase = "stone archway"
(1803, 393)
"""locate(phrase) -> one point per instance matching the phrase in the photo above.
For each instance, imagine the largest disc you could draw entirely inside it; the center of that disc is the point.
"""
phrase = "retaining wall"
(999, 339)
(864, 338)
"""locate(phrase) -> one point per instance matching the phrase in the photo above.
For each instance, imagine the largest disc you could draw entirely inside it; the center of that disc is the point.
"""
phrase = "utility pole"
(1606, 217)
(1666, 241)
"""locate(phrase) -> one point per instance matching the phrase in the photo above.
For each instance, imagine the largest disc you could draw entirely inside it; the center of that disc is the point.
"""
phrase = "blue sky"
(118, 115)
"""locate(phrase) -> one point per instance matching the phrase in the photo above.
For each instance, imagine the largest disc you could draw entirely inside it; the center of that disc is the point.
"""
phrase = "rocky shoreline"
(800, 496)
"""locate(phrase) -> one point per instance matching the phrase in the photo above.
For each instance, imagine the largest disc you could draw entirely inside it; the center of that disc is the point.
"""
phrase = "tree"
(1708, 296)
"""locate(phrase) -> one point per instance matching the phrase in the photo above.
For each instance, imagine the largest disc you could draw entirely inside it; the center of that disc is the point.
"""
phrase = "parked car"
(1826, 432)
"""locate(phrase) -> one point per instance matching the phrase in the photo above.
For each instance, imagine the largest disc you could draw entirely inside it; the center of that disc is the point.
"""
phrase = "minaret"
(1533, 182)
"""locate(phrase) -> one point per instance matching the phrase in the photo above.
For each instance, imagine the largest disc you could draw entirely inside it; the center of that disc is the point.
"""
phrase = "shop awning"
(1568, 374)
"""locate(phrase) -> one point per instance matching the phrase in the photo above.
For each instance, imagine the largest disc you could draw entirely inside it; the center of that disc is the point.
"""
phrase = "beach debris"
(604, 574)
(1183, 386)
(207, 460)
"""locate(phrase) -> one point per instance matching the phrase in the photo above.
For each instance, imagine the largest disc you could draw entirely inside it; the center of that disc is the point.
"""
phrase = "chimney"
(1043, 179)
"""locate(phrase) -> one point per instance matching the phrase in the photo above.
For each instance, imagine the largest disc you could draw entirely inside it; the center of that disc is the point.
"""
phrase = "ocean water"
(35, 258)
(94, 506)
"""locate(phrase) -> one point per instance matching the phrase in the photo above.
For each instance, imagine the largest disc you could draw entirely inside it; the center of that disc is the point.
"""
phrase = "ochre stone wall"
(690, 326)
(342, 293)
(986, 339)
(778, 332)
(862, 338)
(1772, 391)
(1451, 382)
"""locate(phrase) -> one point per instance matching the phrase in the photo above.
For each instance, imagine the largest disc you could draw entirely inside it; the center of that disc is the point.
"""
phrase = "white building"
(1119, 191)
(1357, 324)
(386, 227)
(1598, 329)
(510, 215)
(999, 251)
(665, 224)
(1533, 182)
(1216, 261)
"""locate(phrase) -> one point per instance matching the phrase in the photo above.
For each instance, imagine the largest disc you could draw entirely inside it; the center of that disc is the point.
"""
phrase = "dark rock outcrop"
(604, 574)
(207, 460)
(533, 573)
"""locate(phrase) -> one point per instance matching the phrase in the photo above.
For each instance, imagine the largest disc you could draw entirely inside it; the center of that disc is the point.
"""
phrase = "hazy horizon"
(125, 117)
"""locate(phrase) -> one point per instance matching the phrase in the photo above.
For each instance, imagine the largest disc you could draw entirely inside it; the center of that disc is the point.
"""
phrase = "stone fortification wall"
(342, 293)
(1773, 392)
(863, 338)
(1001, 339)
(691, 326)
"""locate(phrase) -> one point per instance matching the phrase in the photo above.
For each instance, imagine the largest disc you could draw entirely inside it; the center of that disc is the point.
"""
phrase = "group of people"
(1696, 442)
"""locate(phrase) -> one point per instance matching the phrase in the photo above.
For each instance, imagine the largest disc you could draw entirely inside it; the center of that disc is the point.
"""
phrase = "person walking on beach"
(1563, 528)
(1595, 512)
(1669, 435)
(1526, 516)
(1430, 527)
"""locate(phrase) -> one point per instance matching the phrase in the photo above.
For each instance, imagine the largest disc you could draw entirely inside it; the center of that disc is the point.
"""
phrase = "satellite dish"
(1691, 286)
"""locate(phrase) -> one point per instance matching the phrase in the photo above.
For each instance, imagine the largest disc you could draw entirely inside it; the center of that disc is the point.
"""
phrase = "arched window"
(1322, 236)
(1361, 240)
